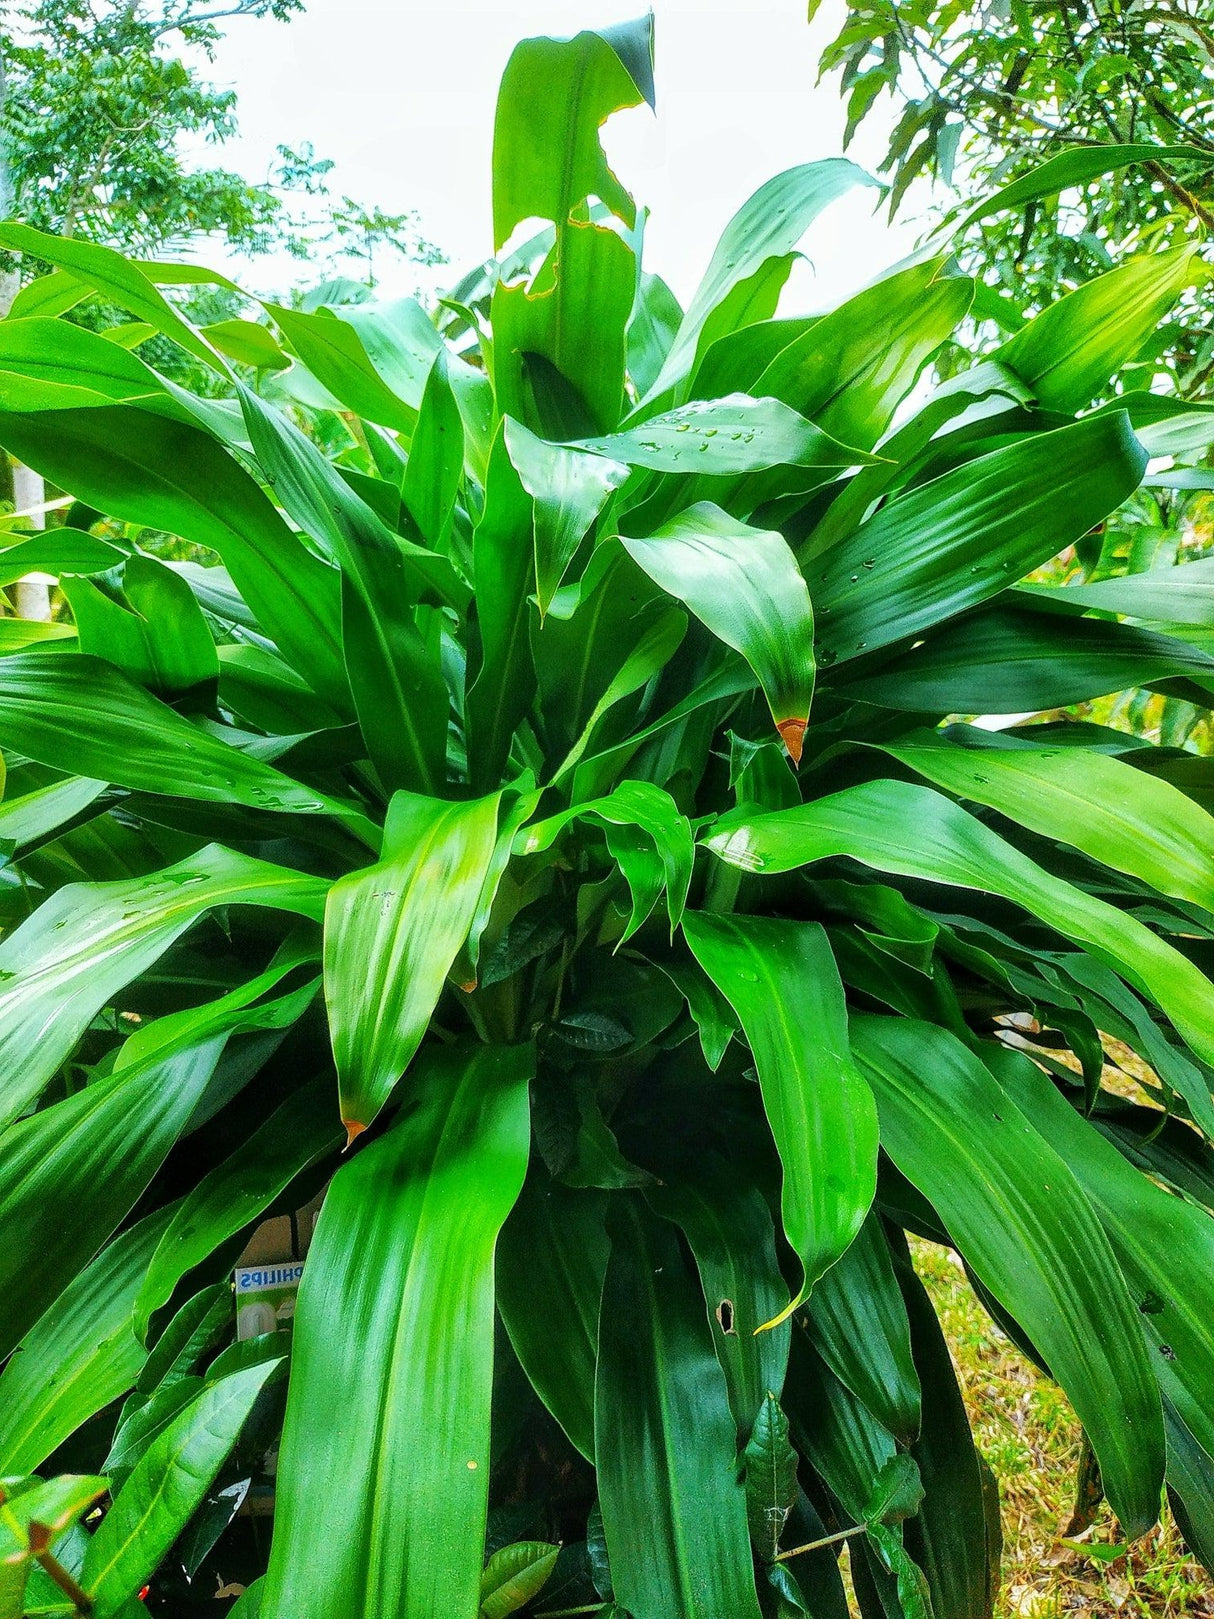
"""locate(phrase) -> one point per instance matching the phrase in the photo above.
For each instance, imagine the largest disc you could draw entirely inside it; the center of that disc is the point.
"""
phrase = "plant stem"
(75, 1593)
(563, 1613)
(814, 1545)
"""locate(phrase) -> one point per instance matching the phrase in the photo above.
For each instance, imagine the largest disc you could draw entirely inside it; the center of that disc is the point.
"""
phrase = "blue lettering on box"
(271, 1276)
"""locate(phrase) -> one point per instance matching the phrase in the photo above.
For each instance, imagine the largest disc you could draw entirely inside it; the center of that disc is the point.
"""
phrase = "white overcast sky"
(401, 96)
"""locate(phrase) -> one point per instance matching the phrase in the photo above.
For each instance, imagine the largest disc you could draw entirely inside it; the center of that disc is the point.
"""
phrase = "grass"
(1029, 1435)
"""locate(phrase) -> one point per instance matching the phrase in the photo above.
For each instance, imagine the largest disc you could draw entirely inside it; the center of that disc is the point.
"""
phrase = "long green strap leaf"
(837, 1434)
(503, 554)
(63, 358)
(1132, 821)
(674, 1511)
(1190, 1488)
(166, 1487)
(385, 1449)
(781, 979)
(232, 1194)
(947, 545)
(172, 476)
(336, 356)
(80, 714)
(857, 1319)
(392, 932)
(851, 369)
(554, 96)
(87, 941)
(744, 584)
(729, 1229)
(78, 1356)
(769, 224)
(915, 832)
(1003, 662)
(115, 277)
(89, 1157)
(1068, 352)
(569, 488)
(1021, 1219)
(95, 1151)
(955, 1535)
(1075, 167)
(1163, 1243)
(66, 551)
(1180, 595)
(395, 676)
(31, 816)
(727, 436)
(554, 1247)
(436, 458)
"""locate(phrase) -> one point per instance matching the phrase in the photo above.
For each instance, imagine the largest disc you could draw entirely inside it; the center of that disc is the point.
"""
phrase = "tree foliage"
(986, 90)
(95, 102)
(549, 820)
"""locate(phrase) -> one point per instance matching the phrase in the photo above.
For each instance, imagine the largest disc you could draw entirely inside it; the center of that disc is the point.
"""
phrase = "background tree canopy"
(96, 101)
(992, 88)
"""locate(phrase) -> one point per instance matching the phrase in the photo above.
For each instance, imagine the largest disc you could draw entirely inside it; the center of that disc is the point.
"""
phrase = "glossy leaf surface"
(873, 824)
(392, 932)
(744, 584)
(674, 1511)
(391, 1415)
(1017, 1211)
(781, 979)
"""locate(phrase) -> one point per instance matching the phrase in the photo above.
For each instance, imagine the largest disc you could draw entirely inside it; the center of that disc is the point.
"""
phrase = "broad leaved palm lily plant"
(543, 811)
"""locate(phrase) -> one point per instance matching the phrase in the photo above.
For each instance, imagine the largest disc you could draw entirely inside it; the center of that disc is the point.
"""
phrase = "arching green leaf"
(852, 368)
(954, 542)
(172, 476)
(232, 1195)
(554, 1247)
(674, 1510)
(1156, 1236)
(568, 490)
(729, 1229)
(116, 278)
(1020, 1218)
(78, 1356)
(781, 980)
(767, 225)
(87, 941)
(723, 436)
(392, 932)
(1181, 595)
(403, 1258)
(80, 713)
(744, 584)
(1131, 821)
(857, 1319)
(1069, 351)
(1004, 662)
(915, 832)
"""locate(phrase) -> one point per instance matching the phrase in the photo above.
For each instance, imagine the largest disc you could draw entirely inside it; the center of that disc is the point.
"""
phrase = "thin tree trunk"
(33, 600)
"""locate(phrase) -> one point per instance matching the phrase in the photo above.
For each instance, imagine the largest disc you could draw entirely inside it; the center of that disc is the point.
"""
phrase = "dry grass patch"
(1029, 1435)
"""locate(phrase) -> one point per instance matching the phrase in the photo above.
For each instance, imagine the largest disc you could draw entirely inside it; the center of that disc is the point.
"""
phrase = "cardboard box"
(266, 1284)
(265, 1297)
